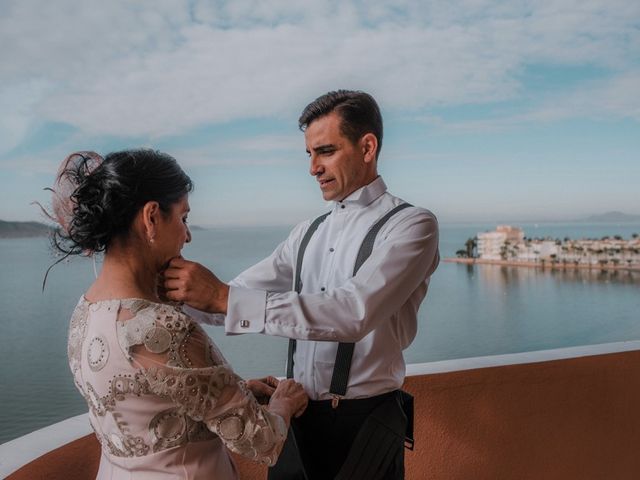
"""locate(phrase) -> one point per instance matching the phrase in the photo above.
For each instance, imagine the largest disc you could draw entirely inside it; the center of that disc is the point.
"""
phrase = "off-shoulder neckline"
(84, 299)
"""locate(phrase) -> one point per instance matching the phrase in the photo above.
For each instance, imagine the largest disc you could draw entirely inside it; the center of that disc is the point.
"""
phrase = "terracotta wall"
(565, 419)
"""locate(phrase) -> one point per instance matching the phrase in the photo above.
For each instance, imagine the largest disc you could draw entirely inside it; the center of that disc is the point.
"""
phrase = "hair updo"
(106, 194)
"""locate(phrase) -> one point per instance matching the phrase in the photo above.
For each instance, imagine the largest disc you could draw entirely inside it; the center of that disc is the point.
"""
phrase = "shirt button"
(342, 206)
(245, 323)
(331, 249)
(322, 289)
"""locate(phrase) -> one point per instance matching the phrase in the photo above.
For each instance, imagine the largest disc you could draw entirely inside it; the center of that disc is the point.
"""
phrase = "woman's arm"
(179, 361)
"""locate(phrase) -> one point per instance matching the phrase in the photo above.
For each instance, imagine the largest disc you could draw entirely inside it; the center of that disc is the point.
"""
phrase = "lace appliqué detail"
(195, 391)
(119, 387)
(171, 428)
(123, 443)
(160, 328)
(251, 435)
(247, 430)
(77, 333)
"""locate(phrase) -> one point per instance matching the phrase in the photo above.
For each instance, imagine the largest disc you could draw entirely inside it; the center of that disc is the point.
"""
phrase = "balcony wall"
(570, 418)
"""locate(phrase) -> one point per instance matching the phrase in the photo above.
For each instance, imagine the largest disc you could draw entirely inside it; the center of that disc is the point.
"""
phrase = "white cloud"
(159, 68)
(270, 143)
(616, 97)
(258, 150)
(17, 103)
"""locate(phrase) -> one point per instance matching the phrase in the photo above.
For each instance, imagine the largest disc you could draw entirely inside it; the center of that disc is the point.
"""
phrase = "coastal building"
(507, 243)
(494, 245)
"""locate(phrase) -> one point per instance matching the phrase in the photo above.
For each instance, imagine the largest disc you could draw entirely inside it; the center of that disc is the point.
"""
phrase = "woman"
(162, 400)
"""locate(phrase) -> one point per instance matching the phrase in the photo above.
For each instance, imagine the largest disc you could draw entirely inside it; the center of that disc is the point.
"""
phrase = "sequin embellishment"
(169, 428)
(230, 427)
(97, 353)
(157, 340)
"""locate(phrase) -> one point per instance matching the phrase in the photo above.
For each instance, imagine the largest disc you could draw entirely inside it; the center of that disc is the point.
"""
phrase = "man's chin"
(328, 196)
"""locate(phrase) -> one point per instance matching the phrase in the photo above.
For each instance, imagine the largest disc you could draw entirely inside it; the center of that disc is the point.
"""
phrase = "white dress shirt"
(377, 308)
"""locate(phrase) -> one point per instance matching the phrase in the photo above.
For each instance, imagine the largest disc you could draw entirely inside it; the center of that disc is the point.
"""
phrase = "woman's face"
(173, 231)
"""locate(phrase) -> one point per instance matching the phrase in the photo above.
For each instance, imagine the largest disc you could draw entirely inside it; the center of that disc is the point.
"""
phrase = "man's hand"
(191, 283)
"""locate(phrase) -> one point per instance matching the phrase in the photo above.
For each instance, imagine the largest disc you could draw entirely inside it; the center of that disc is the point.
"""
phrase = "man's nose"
(315, 168)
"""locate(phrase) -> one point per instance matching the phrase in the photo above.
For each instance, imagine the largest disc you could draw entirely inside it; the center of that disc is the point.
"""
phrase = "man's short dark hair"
(358, 111)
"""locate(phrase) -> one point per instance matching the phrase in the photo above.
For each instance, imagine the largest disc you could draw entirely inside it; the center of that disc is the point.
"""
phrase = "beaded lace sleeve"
(180, 362)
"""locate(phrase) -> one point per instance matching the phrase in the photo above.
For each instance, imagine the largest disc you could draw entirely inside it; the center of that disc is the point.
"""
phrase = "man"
(374, 304)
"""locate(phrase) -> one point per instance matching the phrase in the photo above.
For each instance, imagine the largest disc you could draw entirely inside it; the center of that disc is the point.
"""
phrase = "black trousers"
(323, 438)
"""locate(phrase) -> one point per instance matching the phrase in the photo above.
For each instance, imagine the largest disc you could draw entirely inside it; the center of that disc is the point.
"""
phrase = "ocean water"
(469, 311)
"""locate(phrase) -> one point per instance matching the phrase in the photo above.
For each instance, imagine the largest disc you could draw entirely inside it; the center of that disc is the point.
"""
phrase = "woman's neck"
(125, 273)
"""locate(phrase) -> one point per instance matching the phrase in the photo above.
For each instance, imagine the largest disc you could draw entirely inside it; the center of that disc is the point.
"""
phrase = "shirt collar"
(364, 195)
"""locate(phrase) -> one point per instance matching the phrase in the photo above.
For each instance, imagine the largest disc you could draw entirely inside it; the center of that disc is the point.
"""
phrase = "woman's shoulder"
(157, 326)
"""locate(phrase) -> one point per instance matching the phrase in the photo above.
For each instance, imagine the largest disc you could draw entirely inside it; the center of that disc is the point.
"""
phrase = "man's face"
(336, 162)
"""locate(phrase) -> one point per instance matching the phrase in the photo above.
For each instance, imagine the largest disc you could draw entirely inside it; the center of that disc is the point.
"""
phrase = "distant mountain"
(37, 229)
(612, 217)
(22, 229)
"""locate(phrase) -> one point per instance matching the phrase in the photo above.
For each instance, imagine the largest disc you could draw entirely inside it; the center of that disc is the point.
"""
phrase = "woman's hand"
(288, 400)
(263, 388)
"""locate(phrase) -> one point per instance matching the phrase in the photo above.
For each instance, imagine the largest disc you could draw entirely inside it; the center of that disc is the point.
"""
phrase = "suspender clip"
(335, 400)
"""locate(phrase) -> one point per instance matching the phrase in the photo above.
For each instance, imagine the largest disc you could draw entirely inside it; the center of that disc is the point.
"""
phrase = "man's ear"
(150, 219)
(369, 145)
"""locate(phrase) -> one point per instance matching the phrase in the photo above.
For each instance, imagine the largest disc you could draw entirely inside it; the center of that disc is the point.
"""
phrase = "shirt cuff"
(216, 319)
(245, 311)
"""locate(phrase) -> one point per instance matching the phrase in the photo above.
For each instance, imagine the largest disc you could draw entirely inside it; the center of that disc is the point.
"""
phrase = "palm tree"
(471, 244)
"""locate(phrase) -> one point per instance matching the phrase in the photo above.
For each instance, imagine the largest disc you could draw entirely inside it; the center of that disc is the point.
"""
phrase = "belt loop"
(335, 400)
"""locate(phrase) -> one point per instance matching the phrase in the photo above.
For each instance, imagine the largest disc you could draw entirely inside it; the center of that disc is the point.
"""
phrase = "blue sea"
(469, 311)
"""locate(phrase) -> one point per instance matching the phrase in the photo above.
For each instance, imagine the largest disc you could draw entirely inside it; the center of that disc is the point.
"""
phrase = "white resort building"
(492, 245)
(508, 243)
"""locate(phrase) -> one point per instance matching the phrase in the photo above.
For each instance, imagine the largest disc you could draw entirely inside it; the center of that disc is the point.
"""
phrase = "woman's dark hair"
(108, 197)
(359, 114)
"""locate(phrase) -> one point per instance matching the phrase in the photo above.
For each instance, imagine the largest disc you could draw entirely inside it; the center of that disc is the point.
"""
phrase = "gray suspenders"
(342, 365)
(298, 283)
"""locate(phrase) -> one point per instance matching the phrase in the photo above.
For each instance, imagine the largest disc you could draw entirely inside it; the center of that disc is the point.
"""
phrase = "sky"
(494, 111)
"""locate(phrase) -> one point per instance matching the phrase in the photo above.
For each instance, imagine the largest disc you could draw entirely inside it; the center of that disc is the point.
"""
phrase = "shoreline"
(545, 266)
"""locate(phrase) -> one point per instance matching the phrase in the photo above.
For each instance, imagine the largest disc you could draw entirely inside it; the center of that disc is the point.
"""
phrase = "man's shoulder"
(414, 211)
